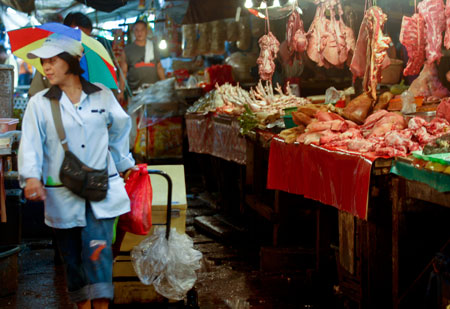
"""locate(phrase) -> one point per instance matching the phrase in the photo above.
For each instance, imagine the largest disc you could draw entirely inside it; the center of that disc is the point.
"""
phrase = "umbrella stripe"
(18, 39)
(98, 63)
(23, 52)
(97, 47)
(62, 29)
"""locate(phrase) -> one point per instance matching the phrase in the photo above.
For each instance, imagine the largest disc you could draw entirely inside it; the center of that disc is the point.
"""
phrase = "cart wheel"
(192, 299)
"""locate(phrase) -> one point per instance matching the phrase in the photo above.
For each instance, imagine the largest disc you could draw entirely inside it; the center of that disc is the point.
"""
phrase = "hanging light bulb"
(276, 3)
(248, 4)
(263, 5)
(162, 44)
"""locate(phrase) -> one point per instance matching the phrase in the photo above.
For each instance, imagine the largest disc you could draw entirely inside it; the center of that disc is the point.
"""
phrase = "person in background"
(6, 58)
(140, 61)
(97, 132)
(25, 72)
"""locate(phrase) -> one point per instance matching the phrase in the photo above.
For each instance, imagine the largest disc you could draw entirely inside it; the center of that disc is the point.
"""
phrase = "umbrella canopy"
(96, 61)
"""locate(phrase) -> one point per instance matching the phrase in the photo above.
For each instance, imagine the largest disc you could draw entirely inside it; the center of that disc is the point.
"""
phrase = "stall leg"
(396, 207)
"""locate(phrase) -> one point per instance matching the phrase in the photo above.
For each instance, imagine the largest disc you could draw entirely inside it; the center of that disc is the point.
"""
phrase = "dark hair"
(73, 62)
(78, 19)
(140, 21)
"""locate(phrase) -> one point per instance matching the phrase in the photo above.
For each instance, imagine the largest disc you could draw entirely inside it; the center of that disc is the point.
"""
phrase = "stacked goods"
(189, 40)
(245, 35)
(232, 31)
(370, 56)
(204, 39)
(218, 37)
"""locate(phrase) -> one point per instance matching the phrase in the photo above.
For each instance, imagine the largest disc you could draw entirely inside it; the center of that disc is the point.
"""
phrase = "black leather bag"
(84, 181)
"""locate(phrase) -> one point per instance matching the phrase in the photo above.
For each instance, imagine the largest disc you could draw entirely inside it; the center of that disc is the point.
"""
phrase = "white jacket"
(86, 127)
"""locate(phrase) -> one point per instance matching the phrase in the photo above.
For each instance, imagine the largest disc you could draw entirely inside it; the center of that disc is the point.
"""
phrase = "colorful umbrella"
(96, 61)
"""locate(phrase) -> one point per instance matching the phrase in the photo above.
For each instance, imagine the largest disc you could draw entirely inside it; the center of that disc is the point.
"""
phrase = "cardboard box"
(127, 287)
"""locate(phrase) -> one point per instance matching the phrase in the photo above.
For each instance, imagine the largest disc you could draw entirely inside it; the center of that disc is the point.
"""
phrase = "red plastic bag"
(139, 188)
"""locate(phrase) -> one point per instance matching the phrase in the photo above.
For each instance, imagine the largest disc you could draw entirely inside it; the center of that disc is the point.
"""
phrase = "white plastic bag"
(408, 105)
(169, 266)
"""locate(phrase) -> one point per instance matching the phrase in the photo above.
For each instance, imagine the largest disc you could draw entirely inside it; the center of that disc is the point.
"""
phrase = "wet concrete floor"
(229, 278)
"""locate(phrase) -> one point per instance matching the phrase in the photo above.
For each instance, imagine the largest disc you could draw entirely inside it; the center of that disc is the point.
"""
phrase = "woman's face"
(55, 69)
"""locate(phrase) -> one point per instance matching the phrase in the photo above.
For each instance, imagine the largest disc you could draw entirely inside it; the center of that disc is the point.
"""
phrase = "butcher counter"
(365, 196)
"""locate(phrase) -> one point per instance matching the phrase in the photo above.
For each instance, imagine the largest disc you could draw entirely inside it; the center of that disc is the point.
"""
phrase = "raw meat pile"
(370, 56)
(382, 134)
(433, 12)
(269, 46)
(412, 36)
(330, 41)
(295, 37)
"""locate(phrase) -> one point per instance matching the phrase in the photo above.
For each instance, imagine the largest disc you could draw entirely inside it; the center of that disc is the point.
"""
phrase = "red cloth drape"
(332, 177)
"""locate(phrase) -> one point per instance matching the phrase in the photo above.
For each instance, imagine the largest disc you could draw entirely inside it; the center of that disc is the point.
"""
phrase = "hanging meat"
(269, 46)
(432, 12)
(370, 56)
(295, 37)
(447, 22)
(427, 84)
(412, 36)
(330, 41)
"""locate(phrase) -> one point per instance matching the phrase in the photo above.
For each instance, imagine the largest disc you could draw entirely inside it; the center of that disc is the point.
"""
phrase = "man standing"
(140, 63)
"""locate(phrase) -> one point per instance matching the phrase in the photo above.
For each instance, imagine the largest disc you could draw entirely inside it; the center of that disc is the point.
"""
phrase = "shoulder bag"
(84, 181)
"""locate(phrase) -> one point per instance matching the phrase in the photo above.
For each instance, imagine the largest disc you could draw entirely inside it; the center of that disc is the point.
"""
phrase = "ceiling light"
(248, 4)
(163, 44)
(263, 5)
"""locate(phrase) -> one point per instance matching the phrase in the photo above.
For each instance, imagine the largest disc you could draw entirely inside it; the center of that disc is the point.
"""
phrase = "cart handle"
(169, 197)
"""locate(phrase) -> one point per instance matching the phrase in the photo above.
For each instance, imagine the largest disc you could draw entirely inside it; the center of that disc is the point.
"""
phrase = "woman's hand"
(34, 190)
(127, 173)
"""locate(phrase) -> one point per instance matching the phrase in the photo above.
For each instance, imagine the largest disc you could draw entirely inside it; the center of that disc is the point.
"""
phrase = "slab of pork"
(432, 12)
(412, 36)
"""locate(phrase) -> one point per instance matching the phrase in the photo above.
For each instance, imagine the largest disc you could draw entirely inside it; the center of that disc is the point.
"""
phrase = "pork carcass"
(330, 41)
(447, 23)
(370, 56)
(295, 37)
(428, 83)
(317, 38)
(269, 46)
(433, 12)
(412, 36)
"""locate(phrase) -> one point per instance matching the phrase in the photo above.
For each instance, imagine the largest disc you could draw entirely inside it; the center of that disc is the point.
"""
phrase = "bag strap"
(56, 112)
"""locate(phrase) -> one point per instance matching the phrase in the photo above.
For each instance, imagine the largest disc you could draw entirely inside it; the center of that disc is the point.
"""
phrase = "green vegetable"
(247, 121)
(399, 88)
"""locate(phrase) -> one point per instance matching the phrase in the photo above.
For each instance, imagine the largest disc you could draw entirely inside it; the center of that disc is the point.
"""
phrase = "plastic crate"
(8, 124)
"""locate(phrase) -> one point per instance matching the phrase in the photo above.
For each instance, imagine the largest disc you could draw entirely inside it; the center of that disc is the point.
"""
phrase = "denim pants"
(88, 258)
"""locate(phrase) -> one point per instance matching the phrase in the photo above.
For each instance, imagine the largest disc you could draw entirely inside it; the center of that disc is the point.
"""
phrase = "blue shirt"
(97, 132)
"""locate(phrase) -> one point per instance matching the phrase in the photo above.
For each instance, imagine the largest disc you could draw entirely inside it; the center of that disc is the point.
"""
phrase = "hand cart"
(192, 299)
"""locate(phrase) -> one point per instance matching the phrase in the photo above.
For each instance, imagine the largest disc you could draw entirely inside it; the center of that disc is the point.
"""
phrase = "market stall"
(338, 148)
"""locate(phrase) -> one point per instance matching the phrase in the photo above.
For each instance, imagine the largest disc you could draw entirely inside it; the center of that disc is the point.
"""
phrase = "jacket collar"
(55, 92)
